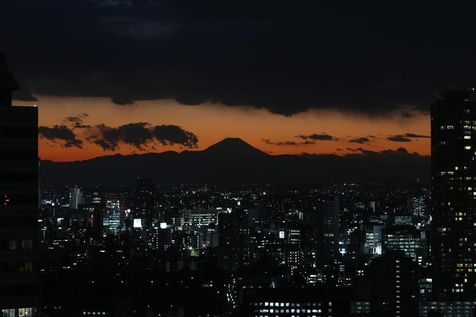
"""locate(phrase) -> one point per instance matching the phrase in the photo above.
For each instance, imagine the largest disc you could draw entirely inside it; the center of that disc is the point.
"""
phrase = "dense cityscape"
(245, 250)
(258, 250)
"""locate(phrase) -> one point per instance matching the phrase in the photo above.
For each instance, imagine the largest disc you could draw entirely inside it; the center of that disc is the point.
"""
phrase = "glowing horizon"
(213, 122)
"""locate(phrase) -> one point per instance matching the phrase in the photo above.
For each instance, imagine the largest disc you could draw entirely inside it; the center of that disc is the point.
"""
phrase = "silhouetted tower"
(453, 167)
(328, 235)
(234, 239)
(18, 202)
(145, 201)
(390, 285)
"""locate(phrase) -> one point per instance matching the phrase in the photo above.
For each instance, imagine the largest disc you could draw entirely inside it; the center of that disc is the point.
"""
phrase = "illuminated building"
(406, 239)
(447, 308)
(291, 302)
(417, 206)
(453, 120)
(114, 216)
(160, 237)
(195, 218)
(19, 228)
(111, 221)
(373, 240)
(75, 198)
(293, 250)
(360, 308)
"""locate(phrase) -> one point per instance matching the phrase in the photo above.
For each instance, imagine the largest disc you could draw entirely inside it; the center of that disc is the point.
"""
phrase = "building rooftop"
(7, 81)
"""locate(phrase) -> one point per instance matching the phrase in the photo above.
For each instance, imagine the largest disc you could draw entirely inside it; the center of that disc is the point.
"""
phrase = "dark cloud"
(273, 54)
(398, 138)
(360, 140)
(307, 139)
(288, 143)
(140, 135)
(355, 150)
(400, 150)
(407, 114)
(77, 122)
(407, 137)
(360, 150)
(172, 134)
(417, 136)
(123, 101)
(112, 2)
(60, 133)
(317, 137)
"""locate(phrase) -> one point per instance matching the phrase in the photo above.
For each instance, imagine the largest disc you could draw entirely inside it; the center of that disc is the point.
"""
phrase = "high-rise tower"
(453, 146)
(145, 202)
(18, 202)
(328, 236)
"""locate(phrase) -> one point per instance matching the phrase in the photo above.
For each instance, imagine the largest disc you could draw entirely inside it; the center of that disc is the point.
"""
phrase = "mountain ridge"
(233, 161)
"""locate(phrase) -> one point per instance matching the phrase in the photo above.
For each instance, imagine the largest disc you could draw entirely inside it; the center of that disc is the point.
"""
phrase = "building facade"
(453, 234)
(19, 286)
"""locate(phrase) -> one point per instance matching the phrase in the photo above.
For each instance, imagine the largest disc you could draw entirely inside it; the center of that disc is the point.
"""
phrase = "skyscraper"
(390, 285)
(234, 238)
(328, 236)
(145, 203)
(75, 198)
(113, 219)
(453, 120)
(18, 202)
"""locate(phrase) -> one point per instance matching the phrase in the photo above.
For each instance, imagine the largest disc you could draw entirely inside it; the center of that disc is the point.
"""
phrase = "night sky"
(136, 76)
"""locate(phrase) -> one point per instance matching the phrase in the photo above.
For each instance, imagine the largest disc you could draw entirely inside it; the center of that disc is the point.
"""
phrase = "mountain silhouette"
(234, 147)
(233, 161)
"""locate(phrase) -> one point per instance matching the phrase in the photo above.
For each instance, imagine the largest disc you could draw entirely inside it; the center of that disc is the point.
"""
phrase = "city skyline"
(210, 158)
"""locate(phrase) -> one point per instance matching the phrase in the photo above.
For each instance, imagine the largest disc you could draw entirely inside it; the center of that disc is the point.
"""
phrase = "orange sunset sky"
(213, 122)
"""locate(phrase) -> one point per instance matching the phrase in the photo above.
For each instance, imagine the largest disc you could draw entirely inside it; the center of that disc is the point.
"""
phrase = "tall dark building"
(453, 146)
(328, 235)
(145, 203)
(234, 238)
(390, 285)
(18, 202)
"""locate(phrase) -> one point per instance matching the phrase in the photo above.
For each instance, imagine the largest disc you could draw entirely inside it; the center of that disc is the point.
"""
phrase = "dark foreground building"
(453, 144)
(19, 287)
